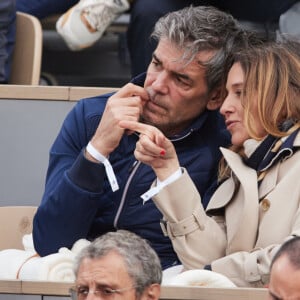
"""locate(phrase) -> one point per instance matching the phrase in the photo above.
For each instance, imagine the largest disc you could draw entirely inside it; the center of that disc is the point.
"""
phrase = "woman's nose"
(226, 106)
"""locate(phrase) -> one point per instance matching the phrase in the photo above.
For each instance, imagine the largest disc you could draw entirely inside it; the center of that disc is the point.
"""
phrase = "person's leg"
(144, 14)
(86, 22)
(7, 37)
(44, 8)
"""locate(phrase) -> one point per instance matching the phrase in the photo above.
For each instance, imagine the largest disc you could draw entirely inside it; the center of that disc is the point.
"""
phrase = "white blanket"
(27, 265)
(201, 278)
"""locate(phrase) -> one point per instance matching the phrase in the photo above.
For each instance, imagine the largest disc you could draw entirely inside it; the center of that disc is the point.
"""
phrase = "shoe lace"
(101, 13)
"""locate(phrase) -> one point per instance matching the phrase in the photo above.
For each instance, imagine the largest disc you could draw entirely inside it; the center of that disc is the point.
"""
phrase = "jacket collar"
(286, 150)
(283, 149)
(272, 149)
(248, 176)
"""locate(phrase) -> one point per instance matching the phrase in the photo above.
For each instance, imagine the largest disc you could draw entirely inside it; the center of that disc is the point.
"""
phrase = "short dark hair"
(291, 249)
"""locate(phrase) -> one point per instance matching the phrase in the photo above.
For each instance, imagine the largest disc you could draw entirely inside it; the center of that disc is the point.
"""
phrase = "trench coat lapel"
(269, 182)
(242, 209)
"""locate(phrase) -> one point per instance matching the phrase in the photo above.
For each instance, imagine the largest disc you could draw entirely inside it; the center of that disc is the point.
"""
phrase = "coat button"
(265, 204)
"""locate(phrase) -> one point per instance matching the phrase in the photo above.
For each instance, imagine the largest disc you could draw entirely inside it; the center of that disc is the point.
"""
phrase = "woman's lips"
(230, 124)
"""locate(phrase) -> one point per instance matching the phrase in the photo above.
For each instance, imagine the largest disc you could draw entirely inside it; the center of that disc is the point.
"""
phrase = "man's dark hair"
(291, 249)
(204, 28)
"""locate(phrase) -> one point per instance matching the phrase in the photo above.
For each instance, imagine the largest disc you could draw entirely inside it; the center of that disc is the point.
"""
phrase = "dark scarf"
(270, 151)
(273, 149)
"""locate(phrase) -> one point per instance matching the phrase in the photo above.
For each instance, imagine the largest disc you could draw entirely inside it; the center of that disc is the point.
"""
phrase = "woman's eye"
(238, 93)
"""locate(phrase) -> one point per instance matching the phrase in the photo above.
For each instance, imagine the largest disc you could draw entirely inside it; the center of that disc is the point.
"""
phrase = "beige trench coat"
(241, 242)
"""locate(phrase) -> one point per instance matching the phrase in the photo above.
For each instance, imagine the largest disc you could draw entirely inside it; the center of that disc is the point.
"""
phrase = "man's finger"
(135, 126)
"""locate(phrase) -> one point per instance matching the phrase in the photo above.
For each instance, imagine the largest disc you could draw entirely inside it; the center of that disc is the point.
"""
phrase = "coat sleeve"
(197, 238)
(72, 190)
(202, 240)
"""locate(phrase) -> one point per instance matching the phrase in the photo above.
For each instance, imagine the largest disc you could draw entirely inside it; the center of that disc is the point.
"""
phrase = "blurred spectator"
(78, 35)
(289, 22)
(84, 23)
(7, 37)
(285, 271)
(259, 15)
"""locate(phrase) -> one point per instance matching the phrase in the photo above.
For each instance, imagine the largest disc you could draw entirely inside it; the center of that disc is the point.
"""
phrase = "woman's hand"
(153, 149)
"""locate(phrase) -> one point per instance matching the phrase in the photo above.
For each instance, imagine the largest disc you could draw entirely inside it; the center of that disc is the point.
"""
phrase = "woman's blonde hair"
(272, 83)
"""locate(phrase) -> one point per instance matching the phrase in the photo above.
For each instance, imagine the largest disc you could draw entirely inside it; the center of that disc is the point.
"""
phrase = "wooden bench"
(48, 93)
(56, 290)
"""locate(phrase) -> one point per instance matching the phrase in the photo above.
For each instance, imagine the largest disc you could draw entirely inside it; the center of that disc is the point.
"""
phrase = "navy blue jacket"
(78, 201)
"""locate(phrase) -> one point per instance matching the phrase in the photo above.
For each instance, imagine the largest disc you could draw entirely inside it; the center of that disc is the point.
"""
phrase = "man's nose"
(160, 84)
(92, 296)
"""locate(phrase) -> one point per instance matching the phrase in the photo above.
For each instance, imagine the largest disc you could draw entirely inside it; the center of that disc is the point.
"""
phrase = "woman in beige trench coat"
(256, 205)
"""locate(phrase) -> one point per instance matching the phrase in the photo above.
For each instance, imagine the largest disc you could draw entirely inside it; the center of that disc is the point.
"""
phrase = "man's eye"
(107, 291)
(82, 291)
(155, 63)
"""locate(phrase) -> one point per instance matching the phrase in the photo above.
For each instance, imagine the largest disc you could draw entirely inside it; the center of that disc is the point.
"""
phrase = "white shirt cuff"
(160, 185)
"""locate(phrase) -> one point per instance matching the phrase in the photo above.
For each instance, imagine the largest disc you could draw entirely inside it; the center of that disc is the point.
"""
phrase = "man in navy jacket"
(94, 185)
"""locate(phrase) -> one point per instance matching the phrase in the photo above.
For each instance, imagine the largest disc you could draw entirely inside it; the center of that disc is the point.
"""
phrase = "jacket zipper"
(134, 168)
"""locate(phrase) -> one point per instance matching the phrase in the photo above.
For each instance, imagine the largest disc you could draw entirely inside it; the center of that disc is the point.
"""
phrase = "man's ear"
(215, 100)
(152, 292)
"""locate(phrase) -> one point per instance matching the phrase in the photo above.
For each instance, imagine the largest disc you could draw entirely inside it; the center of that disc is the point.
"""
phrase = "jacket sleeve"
(197, 238)
(72, 190)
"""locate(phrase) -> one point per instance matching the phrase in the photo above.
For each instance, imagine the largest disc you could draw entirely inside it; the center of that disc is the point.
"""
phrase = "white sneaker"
(84, 23)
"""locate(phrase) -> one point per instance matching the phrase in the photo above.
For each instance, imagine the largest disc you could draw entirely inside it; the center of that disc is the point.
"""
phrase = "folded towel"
(11, 260)
(27, 265)
(53, 267)
(201, 278)
(27, 242)
(169, 273)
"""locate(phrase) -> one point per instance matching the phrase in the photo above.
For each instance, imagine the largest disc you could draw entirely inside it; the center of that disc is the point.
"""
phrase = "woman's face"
(232, 108)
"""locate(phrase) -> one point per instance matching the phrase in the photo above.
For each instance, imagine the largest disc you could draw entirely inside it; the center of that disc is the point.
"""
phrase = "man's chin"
(150, 121)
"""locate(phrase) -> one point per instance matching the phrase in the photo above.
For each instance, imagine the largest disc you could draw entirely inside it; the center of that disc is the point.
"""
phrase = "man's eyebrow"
(181, 75)
(184, 76)
(81, 285)
(155, 57)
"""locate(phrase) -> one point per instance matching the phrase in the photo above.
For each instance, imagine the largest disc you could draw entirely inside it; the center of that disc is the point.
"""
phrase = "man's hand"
(154, 149)
(126, 104)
